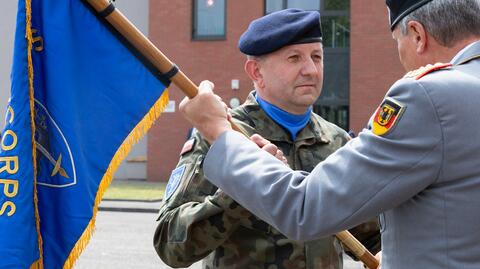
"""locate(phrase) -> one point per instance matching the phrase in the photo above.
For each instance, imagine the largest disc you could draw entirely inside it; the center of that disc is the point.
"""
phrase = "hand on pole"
(269, 147)
(207, 112)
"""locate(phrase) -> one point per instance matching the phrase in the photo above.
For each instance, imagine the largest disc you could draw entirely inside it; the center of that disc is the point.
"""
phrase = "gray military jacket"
(422, 172)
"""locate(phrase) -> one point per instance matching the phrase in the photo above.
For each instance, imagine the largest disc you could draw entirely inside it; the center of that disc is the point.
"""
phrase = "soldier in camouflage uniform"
(199, 221)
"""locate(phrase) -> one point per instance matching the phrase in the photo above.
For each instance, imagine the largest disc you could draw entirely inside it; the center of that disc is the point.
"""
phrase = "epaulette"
(424, 70)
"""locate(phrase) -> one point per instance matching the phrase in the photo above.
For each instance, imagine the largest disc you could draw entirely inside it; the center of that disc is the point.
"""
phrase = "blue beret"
(400, 8)
(279, 29)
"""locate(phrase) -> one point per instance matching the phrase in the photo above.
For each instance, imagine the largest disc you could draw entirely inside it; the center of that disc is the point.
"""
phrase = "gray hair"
(257, 58)
(448, 21)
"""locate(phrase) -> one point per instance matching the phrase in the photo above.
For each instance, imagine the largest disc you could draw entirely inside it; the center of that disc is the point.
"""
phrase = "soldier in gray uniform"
(198, 221)
(417, 163)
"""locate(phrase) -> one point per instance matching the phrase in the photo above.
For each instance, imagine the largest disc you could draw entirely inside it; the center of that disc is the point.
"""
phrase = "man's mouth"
(306, 85)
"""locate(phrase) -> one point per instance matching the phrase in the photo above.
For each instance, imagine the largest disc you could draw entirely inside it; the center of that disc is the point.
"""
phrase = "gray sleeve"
(367, 176)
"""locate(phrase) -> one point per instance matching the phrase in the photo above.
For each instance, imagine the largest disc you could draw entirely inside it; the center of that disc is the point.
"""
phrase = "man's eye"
(293, 58)
(317, 57)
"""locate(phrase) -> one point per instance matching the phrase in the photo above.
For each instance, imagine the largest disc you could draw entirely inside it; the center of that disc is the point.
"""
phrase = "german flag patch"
(387, 116)
(188, 146)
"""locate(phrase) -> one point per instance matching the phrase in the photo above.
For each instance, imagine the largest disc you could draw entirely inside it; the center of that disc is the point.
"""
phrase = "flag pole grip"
(164, 65)
(358, 249)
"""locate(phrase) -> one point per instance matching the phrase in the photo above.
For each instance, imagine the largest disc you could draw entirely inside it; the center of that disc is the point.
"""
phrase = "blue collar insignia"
(292, 123)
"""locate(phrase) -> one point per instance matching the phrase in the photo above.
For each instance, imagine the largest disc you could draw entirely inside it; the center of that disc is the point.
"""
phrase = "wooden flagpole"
(106, 9)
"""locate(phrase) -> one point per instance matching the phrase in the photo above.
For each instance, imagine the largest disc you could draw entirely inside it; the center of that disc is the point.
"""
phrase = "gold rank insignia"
(386, 116)
(425, 70)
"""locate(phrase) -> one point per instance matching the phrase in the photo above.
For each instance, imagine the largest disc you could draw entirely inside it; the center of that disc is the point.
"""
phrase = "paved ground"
(123, 239)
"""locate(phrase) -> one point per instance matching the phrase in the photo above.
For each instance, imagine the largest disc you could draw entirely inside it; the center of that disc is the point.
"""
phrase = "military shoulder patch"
(424, 70)
(174, 181)
(387, 116)
(188, 146)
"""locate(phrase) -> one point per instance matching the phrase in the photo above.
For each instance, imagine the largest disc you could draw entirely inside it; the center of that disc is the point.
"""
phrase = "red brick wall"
(374, 64)
(218, 61)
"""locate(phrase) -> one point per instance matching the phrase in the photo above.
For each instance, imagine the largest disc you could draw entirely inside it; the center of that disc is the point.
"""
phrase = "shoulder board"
(424, 70)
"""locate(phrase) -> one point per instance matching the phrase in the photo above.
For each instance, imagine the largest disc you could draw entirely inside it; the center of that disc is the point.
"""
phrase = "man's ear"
(252, 68)
(419, 36)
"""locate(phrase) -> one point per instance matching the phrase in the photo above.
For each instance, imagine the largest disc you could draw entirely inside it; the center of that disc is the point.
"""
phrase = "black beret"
(279, 29)
(400, 8)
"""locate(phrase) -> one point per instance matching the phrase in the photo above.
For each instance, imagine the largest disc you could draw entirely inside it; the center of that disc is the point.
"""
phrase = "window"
(302, 4)
(336, 32)
(337, 5)
(273, 5)
(209, 19)
(333, 102)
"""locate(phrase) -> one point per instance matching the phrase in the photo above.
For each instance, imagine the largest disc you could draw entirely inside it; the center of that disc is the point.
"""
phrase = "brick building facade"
(374, 64)
(372, 68)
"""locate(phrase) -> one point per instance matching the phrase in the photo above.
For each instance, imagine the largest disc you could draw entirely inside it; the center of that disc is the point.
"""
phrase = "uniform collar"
(258, 117)
(292, 123)
(470, 52)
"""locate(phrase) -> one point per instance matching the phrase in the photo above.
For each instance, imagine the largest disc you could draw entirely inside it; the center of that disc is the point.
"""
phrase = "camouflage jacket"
(197, 220)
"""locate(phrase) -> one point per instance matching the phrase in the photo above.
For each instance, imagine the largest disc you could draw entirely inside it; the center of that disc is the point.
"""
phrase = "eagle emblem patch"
(387, 116)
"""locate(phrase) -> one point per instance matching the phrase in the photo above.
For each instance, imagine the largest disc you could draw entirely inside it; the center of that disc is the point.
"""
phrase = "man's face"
(406, 49)
(292, 76)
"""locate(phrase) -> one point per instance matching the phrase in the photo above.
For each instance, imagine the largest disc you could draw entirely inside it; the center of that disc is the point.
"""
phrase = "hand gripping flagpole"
(108, 11)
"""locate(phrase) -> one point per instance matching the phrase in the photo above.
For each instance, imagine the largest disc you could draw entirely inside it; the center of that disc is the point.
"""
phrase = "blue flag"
(93, 98)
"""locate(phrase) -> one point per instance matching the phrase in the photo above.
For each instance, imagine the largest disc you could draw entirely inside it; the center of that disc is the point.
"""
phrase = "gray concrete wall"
(8, 13)
(134, 167)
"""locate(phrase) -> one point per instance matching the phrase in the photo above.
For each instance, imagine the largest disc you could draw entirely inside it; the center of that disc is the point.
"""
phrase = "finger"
(270, 148)
(183, 104)
(229, 114)
(206, 86)
(225, 106)
(259, 140)
(279, 155)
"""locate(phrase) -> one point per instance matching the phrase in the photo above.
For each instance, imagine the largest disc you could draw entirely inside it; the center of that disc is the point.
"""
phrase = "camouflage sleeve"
(195, 218)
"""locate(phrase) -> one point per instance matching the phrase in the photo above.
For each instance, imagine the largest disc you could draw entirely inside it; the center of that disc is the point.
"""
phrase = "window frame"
(196, 37)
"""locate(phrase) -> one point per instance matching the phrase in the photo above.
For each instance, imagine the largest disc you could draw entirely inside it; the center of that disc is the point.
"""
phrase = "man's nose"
(310, 68)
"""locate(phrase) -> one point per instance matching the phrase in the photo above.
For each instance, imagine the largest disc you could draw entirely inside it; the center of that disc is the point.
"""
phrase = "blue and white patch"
(174, 181)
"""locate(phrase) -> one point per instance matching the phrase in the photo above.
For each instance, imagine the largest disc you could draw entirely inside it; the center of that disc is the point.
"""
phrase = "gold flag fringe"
(135, 135)
(38, 264)
(28, 34)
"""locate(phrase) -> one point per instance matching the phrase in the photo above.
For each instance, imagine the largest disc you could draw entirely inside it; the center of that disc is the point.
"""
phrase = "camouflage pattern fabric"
(198, 221)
